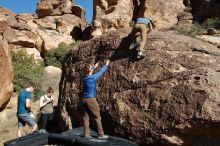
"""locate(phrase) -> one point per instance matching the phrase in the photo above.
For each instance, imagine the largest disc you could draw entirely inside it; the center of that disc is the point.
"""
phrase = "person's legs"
(44, 118)
(95, 111)
(30, 121)
(33, 128)
(19, 132)
(132, 34)
(21, 124)
(143, 30)
(86, 124)
(85, 117)
(50, 116)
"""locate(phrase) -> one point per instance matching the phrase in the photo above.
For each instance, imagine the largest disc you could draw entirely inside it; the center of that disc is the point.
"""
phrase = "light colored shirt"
(145, 21)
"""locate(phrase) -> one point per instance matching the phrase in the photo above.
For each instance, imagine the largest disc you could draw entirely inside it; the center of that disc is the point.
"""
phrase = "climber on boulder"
(143, 26)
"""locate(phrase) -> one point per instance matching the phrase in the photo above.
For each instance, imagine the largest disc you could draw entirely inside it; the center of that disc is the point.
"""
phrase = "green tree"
(211, 22)
(54, 57)
(27, 69)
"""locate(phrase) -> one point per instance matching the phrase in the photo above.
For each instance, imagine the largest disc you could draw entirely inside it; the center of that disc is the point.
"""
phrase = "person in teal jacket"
(24, 110)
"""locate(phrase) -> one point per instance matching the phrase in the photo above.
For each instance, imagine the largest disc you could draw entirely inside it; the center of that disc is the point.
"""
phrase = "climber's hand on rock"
(107, 62)
(96, 65)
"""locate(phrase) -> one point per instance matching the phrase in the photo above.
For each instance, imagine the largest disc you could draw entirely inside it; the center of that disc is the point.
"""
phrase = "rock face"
(31, 32)
(213, 39)
(110, 15)
(206, 8)
(35, 35)
(185, 19)
(80, 12)
(6, 75)
(163, 13)
(51, 78)
(172, 96)
(54, 7)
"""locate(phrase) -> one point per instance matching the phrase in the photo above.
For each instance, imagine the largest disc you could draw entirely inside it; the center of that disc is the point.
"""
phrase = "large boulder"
(205, 8)
(67, 6)
(213, 39)
(163, 13)
(3, 24)
(54, 7)
(33, 35)
(57, 29)
(45, 24)
(9, 34)
(54, 23)
(20, 38)
(9, 16)
(25, 17)
(51, 78)
(44, 8)
(28, 19)
(110, 15)
(6, 75)
(23, 41)
(171, 96)
(185, 19)
(79, 12)
(52, 30)
(70, 25)
(52, 38)
(35, 53)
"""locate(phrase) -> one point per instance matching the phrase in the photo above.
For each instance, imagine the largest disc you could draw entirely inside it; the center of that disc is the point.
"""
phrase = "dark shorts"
(25, 118)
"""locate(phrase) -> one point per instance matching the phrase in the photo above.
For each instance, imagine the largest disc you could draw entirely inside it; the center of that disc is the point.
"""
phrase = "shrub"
(54, 57)
(192, 31)
(131, 23)
(211, 22)
(188, 9)
(26, 69)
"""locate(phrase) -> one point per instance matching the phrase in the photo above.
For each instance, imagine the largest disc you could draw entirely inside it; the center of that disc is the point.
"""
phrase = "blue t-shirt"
(23, 95)
(145, 21)
(89, 83)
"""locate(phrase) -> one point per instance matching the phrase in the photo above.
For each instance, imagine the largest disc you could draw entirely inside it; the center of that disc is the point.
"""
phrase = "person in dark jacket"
(88, 99)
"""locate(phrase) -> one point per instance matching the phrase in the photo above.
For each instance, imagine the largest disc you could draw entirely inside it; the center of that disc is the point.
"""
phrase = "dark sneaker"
(103, 137)
(89, 137)
(140, 55)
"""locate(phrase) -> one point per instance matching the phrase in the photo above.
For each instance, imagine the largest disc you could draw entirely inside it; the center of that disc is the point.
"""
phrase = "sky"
(29, 6)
